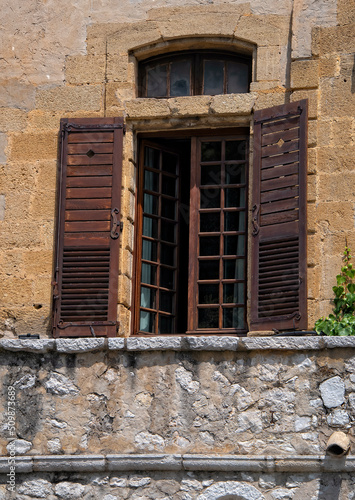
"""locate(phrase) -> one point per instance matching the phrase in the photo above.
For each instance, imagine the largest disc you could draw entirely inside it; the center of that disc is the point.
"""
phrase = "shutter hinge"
(117, 225)
(255, 220)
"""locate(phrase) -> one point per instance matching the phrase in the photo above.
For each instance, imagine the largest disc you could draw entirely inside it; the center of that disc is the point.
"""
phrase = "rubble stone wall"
(183, 414)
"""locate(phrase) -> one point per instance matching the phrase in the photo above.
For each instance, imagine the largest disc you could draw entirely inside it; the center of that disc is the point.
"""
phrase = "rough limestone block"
(12, 119)
(38, 488)
(15, 94)
(232, 489)
(265, 31)
(116, 344)
(332, 392)
(29, 345)
(336, 38)
(85, 69)
(239, 104)
(189, 105)
(304, 74)
(153, 343)
(213, 343)
(2, 206)
(33, 146)
(21, 446)
(132, 35)
(79, 345)
(282, 343)
(82, 97)
(3, 146)
(338, 418)
(147, 108)
(312, 96)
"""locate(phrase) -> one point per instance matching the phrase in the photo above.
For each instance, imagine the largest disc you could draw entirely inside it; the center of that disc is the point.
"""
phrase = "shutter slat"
(279, 238)
(87, 254)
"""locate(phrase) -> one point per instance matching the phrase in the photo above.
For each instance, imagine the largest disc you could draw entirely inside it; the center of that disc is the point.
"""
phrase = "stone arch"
(231, 490)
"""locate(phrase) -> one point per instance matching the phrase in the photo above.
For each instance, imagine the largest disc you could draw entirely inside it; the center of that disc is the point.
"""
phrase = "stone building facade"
(189, 417)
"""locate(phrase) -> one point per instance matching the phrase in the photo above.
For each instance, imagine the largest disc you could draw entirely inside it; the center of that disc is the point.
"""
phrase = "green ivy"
(342, 321)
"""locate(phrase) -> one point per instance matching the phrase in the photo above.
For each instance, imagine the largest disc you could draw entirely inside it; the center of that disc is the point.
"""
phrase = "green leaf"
(338, 290)
(351, 287)
(340, 279)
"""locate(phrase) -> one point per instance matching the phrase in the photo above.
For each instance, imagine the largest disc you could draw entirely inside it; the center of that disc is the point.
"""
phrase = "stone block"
(189, 105)
(132, 35)
(43, 205)
(198, 22)
(312, 96)
(154, 344)
(12, 119)
(33, 146)
(312, 161)
(331, 187)
(337, 39)
(264, 30)
(268, 64)
(82, 97)
(336, 160)
(147, 108)
(117, 68)
(126, 263)
(124, 290)
(239, 104)
(116, 344)
(28, 345)
(336, 97)
(80, 70)
(304, 74)
(280, 343)
(346, 12)
(161, 13)
(329, 65)
(3, 148)
(211, 343)
(14, 290)
(337, 214)
(13, 235)
(79, 345)
(342, 131)
(311, 188)
(267, 99)
(15, 94)
(124, 320)
(313, 282)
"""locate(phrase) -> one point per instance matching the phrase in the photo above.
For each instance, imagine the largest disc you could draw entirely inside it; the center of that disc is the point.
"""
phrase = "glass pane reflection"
(238, 78)
(157, 81)
(233, 318)
(213, 77)
(180, 78)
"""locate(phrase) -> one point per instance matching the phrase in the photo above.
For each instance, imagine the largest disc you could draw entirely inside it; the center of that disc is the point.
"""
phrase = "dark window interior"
(194, 73)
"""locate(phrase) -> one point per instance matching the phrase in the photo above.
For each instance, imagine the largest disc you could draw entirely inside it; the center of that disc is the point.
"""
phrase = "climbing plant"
(342, 321)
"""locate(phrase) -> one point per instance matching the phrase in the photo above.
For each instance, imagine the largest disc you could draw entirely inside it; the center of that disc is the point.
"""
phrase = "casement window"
(208, 260)
(193, 73)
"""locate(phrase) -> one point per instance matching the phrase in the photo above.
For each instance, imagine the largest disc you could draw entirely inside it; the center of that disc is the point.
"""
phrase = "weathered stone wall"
(189, 413)
(80, 59)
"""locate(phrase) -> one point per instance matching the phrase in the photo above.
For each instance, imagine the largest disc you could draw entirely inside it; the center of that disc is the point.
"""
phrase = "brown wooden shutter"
(279, 291)
(85, 292)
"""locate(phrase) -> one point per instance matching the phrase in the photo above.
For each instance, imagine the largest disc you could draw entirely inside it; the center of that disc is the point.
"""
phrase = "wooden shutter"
(85, 291)
(278, 295)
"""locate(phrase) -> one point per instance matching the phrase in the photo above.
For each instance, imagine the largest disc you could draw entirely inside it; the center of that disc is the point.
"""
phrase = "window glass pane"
(233, 269)
(235, 197)
(151, 181)
(180, 78)
(211, 151)
(167, 254)
(168, 208)
(210, 174)
(167, 278)
(213, 77)
(234, 221)
(168, 186)
(233, 293)
(209, 245)
(150, 204)
(208, 318)
(148, 297)
(235, 150)
(166, 324)
(234, 245)
(146, 323)
(151, 158)
(235, 174)
(238, 77)
(210, 222)
(208, 294)
(169, 163)
(157, 81)
(233, 317)
(150, 227)
(210, 198)
(149, 274)
(167, 231)
(209, 269)
(166, 301)
(149, 250)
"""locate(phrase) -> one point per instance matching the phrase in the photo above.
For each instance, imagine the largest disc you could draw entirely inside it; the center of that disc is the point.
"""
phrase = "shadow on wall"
(330, 485)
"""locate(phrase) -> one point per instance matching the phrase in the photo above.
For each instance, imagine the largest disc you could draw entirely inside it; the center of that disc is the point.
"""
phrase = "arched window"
(202, 72)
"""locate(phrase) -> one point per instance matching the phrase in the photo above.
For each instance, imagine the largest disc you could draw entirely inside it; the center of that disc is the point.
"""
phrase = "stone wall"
(197, 411)
(79, 59)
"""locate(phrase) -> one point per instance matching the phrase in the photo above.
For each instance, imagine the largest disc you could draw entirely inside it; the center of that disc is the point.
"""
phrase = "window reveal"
(212, 207)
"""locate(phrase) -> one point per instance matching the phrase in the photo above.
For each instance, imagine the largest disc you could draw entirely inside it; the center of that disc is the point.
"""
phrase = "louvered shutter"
(85, 292)
(278, 295)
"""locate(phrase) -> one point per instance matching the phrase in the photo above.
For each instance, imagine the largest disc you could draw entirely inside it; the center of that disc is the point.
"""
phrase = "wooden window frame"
(197, 59)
